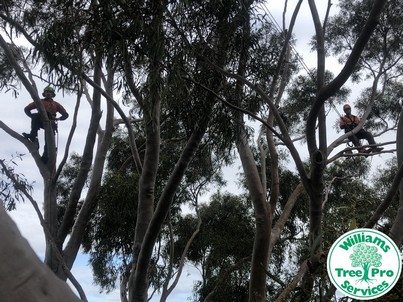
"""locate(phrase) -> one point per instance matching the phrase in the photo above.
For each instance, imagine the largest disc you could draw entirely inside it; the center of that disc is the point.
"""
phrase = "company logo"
(364, 264)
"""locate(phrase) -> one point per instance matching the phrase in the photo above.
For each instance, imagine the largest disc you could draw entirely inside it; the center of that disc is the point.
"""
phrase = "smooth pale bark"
(69, 216)
(50, 216)
(73, 245)
(138, 284)
(280, 223)
(145, 206)
(146, 187)
(396, 232)
(47, 171)
(23, 277)
(138, 289)
(256, 184)
(282, 78)
(344, 74)
(257, 284)
(318, 154)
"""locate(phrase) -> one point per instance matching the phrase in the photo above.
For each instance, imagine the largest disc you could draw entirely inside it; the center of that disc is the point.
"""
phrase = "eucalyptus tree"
(68, 54)
(111, 229)
(316, 138)
(104, 37)
(224, 126)
(318, 148)
(380, 61)
(190, 67)
(29, 267)
(57, 49)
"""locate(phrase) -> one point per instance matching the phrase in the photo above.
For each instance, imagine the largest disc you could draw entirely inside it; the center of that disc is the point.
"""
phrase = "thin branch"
(285, 294)
(232, 106)
(387, 200)
(183, 257)
(69, 138)
(223, 277)
(280, 223)
(285, 136)
(328, 189)
(347, 152)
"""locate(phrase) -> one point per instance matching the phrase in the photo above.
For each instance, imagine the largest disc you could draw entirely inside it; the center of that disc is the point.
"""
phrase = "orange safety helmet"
(49, 89)
(346, 106)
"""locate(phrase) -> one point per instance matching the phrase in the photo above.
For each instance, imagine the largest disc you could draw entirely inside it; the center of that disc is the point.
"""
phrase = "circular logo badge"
(364, 264)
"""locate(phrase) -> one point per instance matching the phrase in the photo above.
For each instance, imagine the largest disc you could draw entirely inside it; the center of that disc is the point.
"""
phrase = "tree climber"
(348, 123)
(52, 108)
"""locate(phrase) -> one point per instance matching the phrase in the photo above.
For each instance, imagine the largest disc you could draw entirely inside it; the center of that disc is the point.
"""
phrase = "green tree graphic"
(365, 256)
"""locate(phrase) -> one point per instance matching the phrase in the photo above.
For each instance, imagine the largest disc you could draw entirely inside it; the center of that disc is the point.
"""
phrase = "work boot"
(28, 137)
(31, 138)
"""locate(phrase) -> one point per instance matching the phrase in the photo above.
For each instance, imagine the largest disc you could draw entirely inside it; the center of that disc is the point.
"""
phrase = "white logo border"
(343, 237)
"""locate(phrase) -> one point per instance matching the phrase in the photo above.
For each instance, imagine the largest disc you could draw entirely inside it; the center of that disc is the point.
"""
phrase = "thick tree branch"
(69, 138)
(285, 294)
(280, 223)
(85, 166)
(162, 209)
(72, 248)
(344, 74)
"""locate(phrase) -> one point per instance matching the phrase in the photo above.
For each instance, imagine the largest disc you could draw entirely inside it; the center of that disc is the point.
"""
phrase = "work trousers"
(362, 134)
(36, 124)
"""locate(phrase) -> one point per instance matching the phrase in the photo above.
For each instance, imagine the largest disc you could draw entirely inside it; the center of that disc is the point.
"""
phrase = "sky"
(12, 114)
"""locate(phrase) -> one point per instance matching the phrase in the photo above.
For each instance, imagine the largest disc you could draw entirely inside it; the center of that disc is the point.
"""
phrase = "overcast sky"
(13, 115)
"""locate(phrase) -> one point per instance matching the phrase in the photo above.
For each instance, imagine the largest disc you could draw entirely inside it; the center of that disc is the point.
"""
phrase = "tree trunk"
(317, 167)
(257, 285)
(138, 284)
(318, 155)
(396, 231)
(73, 245)
(138, 289)
(31, 279)
(50, 217)
(69, 216)
(256, 183)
